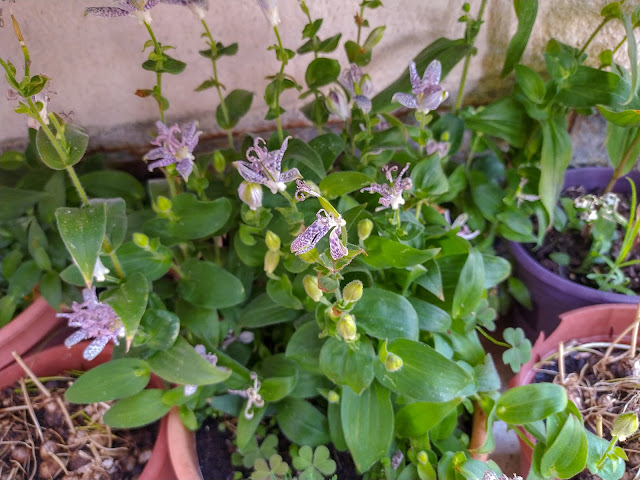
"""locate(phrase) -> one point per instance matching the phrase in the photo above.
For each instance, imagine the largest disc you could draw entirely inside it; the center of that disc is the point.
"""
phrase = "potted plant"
(52, 364)
(599, 341)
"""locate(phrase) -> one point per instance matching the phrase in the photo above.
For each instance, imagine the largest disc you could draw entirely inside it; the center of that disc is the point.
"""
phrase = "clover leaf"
(314, 465)
(520, 351)
(276, 468)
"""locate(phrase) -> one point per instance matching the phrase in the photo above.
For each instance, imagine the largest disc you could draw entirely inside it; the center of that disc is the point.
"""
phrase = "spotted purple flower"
(197, 6)
(175, 146)
(264, 167)
(460, 223)
(441, 147)
(324, 222)
(337, 103)
(252, 395)
(392, 192)
(209, 357)
(122, 8)
(427, 93)
(95, 320)
(359, 86)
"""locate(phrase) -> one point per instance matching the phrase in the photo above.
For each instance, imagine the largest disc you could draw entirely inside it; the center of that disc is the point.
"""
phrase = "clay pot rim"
(157, 465)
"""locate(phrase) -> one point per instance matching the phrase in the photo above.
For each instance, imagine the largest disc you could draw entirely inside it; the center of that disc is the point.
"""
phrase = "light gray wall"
(95, 68)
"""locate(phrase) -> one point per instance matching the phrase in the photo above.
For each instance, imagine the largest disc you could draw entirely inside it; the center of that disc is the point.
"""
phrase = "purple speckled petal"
(246, 172)
(379, 188)
(405, 99)
(432, 73)
(156, 153)
(290, 175)
(403, 184)
(416, 83)
(432, 98)
(95, 347)
(162, 163)
(184, 168)
(106, 12)
(310, 237)
(363, 102)
(337, 249)
(74, 338)
(150, 4)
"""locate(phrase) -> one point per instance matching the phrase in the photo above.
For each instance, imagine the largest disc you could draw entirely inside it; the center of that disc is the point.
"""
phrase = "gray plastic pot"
(551, 294)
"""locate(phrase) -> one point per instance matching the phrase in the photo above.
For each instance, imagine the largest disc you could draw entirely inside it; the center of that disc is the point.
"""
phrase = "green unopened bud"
(364, 229)
(141, 240)
(310, 284)
(422, 457)
(393, 362)
(466, 7)
(271, 260)
(272, 240)
(164, 204)
(353, 291)
(333, 397)
(445, 137)
(347, 328)
(219, 162)
(624, 426)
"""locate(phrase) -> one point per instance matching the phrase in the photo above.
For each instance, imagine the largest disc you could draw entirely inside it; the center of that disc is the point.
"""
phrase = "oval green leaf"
(529, 403)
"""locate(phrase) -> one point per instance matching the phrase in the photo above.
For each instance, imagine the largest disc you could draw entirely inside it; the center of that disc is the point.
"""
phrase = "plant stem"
(360, 16)
(223, 105)
(491, 339)
(524, 438)
(284, 59)
(422, 121)
(76, 183)
(467, 60)
(158, 50)
(593, 35)
(621, 166)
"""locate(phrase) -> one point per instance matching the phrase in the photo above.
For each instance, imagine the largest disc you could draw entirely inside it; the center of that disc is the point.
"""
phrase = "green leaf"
(623, 146)
(531, 83)
(350, 365)
(449, 52)
(428, 178)
(23, 280)
(158, 329)
(206, 284)
(82, 230)
(51, 289)
(529, 403)
(133, 259)
(129, 300)
(183, 365)
(112, 380)
(38, 244)
(416, 419)
(247, 427)
(505, 119)
(425, 375)
(625, 118)
(263, 311)
(52, 158)
(138, 410)
(328, 45)
(430, 317)
(367, 422)
(113, 184)
(386, 315)
(335, 427)
(304, 346)
(15, 202)
(519, 291)
(281, 292)
(470, 288)
(306, 159)
(588, 87)
(12, 160)
(526, 11)
(632, 52)
(373, 39)
(554, 160)
(567, 455)
(302, 423)
(274, 389)
(192, 219)
(385, 253)
(328, 147)
(340, 183)
(167, 65)
(238, 103)
(322, 71)
(116, 220)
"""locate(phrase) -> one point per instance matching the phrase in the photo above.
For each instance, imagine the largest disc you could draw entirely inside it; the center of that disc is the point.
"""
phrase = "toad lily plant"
(344, 309)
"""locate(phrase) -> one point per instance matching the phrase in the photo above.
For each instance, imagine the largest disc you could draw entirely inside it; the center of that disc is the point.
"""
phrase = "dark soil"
(609, 399)
(92, 452)
(214, 448)
(577, 246)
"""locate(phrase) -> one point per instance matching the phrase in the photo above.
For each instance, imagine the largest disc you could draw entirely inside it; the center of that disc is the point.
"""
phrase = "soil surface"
(604, 388)
(577, 246)
(68, 441)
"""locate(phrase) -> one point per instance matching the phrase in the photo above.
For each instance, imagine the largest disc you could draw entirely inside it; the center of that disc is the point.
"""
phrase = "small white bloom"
(100, 271)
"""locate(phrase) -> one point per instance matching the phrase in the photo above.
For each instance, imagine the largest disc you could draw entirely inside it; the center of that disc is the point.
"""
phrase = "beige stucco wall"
(95, 63)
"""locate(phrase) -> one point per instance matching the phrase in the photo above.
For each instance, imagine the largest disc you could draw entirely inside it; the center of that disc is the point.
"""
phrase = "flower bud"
(219, 162)
(333, 397)
(393, 362)
(271, 260)
(164, 204)
(141, 240)
(251, 194)
(364, 229)
(310, 284)
(347, 328)
(338, 104)
(422, 457)
(272, 240)
(353, 291)
(624, 426)
(270, 10)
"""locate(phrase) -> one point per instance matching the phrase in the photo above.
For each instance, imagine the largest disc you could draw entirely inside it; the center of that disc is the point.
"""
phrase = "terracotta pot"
(596, 323)
(551, 294)
(58, 359)
(184, 458)
(27, 330)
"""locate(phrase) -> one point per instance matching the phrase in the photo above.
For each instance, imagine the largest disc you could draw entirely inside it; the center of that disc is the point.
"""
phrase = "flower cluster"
(96, 320)
(391, 193)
